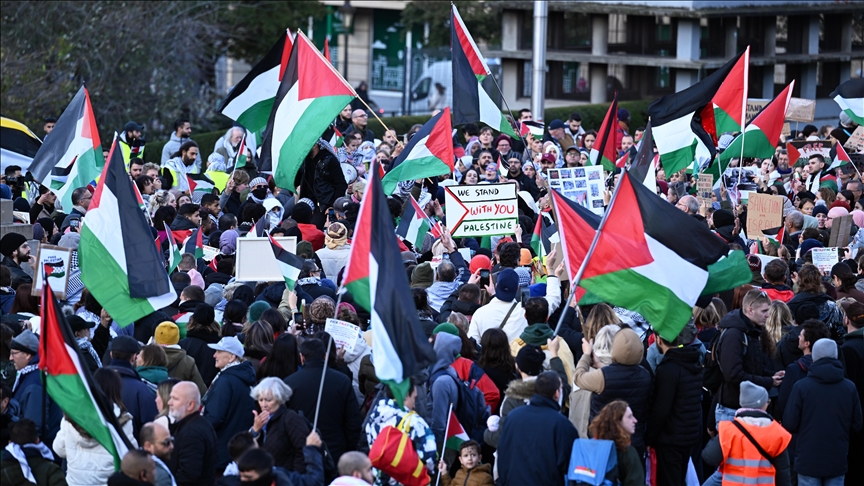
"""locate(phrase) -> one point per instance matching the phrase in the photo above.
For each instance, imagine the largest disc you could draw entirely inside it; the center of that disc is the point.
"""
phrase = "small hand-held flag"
(289, 263)
(195, 244)
(173, 251)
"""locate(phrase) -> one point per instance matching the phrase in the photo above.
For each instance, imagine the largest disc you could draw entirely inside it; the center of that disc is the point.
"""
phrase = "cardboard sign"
(801, 110)
(824, 258)
(840, 229)
(344, 333)
(822, 147)
(255, 261)
(704, 188)
(582, 185)
(856, 141)
(763, 212)
(59, 259)
(482, 209)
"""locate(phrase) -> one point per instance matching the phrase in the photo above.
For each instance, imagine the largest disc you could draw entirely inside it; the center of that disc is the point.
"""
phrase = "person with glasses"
(359, 124)
(157, 440)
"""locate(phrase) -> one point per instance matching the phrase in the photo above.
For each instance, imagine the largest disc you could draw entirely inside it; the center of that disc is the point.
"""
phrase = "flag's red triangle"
(286, 53)
(316, 76)
(605, 141)
(770, 119)
(55, 358)
(793, 153)
(732, 95)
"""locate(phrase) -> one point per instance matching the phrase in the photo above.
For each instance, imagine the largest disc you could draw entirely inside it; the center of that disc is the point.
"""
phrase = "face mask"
(274, 219)
(259, 193)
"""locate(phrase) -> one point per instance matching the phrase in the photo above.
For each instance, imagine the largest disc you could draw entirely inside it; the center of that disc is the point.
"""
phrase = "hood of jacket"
(817, 299)
(686, 357)
(360, 349)
(189, 305)
(464, 307)
(442, 290)
(447, 347)
(204, 335)
(521, 389)
(826, 370)
(175, 355)
(627, 348)
(243, 371)
(537, 334)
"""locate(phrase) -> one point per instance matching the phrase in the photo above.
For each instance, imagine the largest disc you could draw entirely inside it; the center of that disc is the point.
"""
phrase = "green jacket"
(46, 472)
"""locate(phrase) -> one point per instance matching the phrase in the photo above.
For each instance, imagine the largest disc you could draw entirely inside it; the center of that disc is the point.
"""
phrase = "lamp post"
(347, 10)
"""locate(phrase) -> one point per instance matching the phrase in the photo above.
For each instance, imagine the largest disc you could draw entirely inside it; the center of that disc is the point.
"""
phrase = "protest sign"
(57, 258)
(210, 253)
(806, 149)
(840, 229)
(344, 333)
(856, 141)
(763, 212)
(582, 185)
(255, 261)
(754, 106)
(704, 187)
(482, 209)
(824, 259)
(801, 110)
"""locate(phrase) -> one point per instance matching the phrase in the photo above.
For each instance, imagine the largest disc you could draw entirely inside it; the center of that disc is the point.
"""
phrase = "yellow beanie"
(166, 334)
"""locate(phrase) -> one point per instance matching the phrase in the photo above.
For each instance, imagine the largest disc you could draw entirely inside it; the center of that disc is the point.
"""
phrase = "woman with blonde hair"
(779, 317)
(601, 315)
(706, 320)
(159, 199)
(580, 399)
(617, 423)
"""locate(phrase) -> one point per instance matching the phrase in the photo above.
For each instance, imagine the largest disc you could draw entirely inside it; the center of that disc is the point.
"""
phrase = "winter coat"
(28, 394)
(853, 360)
(737, 362)
(353, 359)
(443, 391)
(778, 292)
(153, 374)
(19, 276)
(228, 406)
(120, 479)
(139, 399)
(453, 304)
(535, 444)
(492, 314)
(538, 335)
(183, 367)
(624, 379)
(322, 179)
(466, 369)
(333, 259)
(517, 395)
(7, 298)
(385, 412)
(216, 277)
(339, 417)
(88, 462)
(787, 347)
(284, 437)
(479, 476)
(829, 312)
(46, 472)
(193, 461)
(794, 373)
(195, 345)
(675, 418)
(822, 410)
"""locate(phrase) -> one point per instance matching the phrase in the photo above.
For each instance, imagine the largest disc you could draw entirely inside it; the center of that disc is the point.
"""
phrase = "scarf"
(85, 345)
(229, 365)
(27, 369)
(333, 243)
(18, 453)
(309, 281)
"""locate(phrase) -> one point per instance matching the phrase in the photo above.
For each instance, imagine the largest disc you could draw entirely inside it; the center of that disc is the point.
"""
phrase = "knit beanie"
(807, 310)
(819, 209)
(824, 348)
(11, 242)
(723, 217)
(446, 327)
(809, 244)
(256, 309)
(166, 334)
(752, 395)
(530, 360)
(423, 276)
(321, 309)
(204, 315)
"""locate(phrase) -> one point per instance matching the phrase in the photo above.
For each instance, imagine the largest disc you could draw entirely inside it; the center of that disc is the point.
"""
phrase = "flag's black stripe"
(271, 60)
(288, 80)
(645, 156)
(466, 98)
(854, 88)
(55, 146)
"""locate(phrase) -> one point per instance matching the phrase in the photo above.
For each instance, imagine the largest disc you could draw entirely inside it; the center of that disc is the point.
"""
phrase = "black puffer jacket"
(740, 362)
(676, 412)
(193, 461)
(322, 178)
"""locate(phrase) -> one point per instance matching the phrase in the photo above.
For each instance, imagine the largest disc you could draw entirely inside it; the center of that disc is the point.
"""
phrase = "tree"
(256, 25)
(483, 20)
(150, 62)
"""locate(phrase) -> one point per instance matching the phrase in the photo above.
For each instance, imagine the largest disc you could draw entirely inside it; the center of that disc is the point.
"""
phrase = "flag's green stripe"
(856, 117)
(412, 169)
(537, 245)
(506, 128)
(361, 292)
(107, 282)
(727, 273)
(678, 159)
(290, 283)
(255, 118)
(607, 164)
(756, 145)
(400, 389)
(417, 240)
(312, 123)
(724, 122)
(70, 394)
(453, 443)
(667, 313)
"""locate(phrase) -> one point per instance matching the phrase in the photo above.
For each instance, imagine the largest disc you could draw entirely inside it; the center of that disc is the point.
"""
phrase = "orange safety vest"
(742, 462)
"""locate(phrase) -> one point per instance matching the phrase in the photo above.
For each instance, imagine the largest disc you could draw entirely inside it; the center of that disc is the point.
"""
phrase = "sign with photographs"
(582, 185)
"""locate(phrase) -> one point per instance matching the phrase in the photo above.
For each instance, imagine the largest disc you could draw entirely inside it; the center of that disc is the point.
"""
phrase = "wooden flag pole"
(444, 443)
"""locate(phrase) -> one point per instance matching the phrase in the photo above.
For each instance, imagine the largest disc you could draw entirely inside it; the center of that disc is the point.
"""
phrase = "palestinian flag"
(643, 167)
(337, 139)
(428, 154)
(794, 154)
(661, 270)
(728, 108)
(540, 240)
(18, 145)
(471, 103)
(399, 347)
(414, 224)
(241, 159)
(604, 150)
(456, 434)
(535, 128)
(70, 384)
(261, 228)
(118, 262)
(775, 235)
(289, 263)
(195, 244)
(622, 162)
(310, 96)
(327, 49)
(850, 97)
(200, 183)
(682, 136)
(250, 102)
(761, 136)
(72, 155)
(174, 254)
(842, 158)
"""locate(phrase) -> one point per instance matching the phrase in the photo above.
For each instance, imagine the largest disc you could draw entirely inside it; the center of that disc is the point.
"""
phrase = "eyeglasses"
(364, 115)
(167, 442)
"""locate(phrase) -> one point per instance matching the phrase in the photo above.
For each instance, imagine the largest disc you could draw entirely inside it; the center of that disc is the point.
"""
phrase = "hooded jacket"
(624, 379)
(491, 316)
(739, 362)
(829, 313)
(193, 461)
(443, 392)
(19, 276)
(479, 476)
(787, 347)
(778, 292)
(794, 373)
(676, 410)
(822, 411)
(439, 291)
(183, 367)
(228, 406)
(195, 344)
(46, 472)
(88, 462)
(284, 437)
(538, 335)
(517, 395)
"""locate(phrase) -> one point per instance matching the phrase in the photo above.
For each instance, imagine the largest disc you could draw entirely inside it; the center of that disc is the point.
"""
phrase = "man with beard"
(181, 163)
(514, 173)
(16, 251)
(132, 142)
(193, 460)
(182, 134)
(156, 440)
(818, 176)
(343, 120)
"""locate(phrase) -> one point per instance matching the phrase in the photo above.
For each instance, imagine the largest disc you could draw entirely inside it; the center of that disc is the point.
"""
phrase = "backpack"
(593, 462)
(470, 407)
(712, 375)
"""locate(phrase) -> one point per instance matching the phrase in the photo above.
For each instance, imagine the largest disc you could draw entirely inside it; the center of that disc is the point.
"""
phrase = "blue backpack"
(593, 462)
(471, 408)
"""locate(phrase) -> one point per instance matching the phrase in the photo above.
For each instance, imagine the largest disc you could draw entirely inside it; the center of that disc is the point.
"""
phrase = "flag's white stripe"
(855, 105)
(414, 230)
(287, 115)
(78, 146)
(164, 300)
(103, 223)
(674, 134)
(489, 111)
(681, 277)
(263, 87)
(419, 151)
(288, 271)
(388, 365)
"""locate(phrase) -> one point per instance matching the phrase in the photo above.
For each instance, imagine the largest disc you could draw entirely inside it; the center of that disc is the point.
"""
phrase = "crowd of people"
(763, 386)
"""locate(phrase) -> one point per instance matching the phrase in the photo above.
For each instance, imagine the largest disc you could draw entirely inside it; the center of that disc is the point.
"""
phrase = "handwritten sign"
(824, 259)
(704, 188)
(840, 229)
(59, 260)
(482, 210)
(763, 212)
(801, 110)
(856, 141)
(806, 149)
(344, 333)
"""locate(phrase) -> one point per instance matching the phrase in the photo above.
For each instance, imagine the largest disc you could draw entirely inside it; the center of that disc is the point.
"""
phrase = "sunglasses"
(167, 442)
